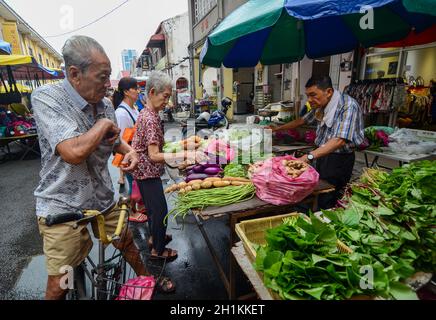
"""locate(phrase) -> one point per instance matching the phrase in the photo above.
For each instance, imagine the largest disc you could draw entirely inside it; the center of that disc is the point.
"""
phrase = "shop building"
(25, 40)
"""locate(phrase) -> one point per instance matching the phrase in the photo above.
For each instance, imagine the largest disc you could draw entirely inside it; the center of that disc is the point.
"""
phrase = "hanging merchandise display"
(417, 108)
(381, 95)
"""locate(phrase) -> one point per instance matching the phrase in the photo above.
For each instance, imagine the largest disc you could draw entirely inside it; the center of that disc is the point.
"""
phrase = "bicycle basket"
(128, 286)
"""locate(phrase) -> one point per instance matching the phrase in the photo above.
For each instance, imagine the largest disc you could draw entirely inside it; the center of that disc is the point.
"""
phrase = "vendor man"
(340, 129)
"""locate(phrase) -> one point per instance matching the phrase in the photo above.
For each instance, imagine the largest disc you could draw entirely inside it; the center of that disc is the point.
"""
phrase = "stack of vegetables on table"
(387, 220)
(226, 177)
(376, 138)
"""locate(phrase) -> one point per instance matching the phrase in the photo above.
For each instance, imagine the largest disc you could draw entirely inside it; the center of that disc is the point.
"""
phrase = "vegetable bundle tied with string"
(200, 199)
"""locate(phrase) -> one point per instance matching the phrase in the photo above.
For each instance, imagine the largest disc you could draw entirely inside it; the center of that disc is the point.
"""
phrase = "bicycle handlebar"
(52, 220)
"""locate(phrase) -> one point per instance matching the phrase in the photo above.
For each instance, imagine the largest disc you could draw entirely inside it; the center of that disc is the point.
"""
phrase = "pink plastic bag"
(221, 148)
(275, 186)
(140, 288)
(136, 194)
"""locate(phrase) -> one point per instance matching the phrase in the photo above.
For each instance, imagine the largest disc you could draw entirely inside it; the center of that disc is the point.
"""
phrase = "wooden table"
(253, 276)
(279, 150)
(254, 208)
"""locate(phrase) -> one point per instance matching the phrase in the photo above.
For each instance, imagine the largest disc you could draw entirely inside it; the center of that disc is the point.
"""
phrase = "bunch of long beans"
(203, 198)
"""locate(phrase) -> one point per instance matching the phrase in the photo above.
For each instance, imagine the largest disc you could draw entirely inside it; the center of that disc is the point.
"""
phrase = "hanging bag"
(128, 135)
(12, 95)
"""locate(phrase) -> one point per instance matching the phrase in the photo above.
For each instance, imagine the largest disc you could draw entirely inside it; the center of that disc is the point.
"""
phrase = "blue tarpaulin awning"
(5, 47)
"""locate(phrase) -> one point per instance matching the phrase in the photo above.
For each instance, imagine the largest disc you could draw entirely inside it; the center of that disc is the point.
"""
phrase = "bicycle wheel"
(79, 289)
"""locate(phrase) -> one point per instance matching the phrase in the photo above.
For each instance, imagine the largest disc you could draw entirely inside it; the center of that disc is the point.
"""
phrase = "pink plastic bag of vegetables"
(275, 186)
(140, 288)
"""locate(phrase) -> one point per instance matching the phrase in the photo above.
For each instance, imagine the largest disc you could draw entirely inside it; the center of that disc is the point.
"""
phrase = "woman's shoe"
(168, 254)
(141, 218)
(168, 239)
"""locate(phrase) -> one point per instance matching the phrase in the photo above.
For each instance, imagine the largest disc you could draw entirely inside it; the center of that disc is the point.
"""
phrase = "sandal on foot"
(165, 285)
(168, 239)
(140, 219)
(168, 254)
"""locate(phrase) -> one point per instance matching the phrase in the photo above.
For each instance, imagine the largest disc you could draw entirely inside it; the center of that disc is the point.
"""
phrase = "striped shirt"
(348, 125)
(62, 114)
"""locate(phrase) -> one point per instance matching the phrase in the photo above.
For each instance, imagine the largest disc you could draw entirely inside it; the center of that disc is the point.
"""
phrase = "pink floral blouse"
(149, 131)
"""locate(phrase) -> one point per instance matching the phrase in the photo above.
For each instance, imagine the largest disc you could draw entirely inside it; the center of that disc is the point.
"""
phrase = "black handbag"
(12, 95)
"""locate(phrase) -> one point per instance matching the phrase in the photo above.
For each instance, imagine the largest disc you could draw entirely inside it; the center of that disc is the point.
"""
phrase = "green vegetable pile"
(388, 220)
(236, 135)
(235, 170)
(219, 197)
(172, 147)
(302, 261)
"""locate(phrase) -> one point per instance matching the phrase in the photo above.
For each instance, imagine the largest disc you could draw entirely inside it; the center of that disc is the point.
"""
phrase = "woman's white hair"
(159, 81)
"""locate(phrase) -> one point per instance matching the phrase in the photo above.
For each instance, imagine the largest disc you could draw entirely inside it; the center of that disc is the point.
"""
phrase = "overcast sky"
(129, 27)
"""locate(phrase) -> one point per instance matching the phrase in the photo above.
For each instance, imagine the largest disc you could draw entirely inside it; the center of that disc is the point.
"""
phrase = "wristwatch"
(310, 157)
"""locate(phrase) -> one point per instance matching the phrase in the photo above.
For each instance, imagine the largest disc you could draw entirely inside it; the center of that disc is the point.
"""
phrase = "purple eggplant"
(196, 176)
(211, 165)
(212, 170)
(198, 169)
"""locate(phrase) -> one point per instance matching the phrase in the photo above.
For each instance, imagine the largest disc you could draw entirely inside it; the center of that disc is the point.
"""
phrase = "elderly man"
(340, 130)
(78, 132)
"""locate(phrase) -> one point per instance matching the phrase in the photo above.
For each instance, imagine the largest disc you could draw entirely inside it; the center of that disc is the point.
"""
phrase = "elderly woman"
(148, 143)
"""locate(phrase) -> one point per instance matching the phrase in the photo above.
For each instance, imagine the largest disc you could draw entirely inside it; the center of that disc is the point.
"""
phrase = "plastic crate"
(252, 232)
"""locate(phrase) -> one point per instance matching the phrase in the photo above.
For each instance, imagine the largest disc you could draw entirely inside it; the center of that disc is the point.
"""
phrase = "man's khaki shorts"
(65, 246)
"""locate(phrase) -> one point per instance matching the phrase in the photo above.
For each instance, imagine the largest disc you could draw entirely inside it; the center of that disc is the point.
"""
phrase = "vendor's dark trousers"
(154, 200)
(336, 169)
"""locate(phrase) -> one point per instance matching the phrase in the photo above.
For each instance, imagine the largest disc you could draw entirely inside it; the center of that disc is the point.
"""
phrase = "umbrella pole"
(298, 102)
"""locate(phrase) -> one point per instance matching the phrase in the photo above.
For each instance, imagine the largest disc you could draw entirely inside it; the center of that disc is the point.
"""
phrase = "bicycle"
(112, 278)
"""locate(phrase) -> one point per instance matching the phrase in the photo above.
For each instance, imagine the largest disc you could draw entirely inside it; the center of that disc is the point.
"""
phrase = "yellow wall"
(27, 42)
(11, 35)
(20, 44)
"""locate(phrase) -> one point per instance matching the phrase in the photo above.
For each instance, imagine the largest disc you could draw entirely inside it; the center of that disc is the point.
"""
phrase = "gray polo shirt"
(61, 114)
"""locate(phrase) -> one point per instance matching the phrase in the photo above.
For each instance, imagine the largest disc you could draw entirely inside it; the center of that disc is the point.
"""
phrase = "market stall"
(238, 183)
(381, 222)
(16, 122)
(383, 225)
(402, 145)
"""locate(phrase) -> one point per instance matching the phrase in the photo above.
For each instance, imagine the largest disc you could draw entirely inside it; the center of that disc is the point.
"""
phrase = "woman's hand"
(273, 127)
(130, 162)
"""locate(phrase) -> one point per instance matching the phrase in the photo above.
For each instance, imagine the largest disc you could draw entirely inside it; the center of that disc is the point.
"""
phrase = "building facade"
(167, 51)
(128, 59)
(25, 40)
